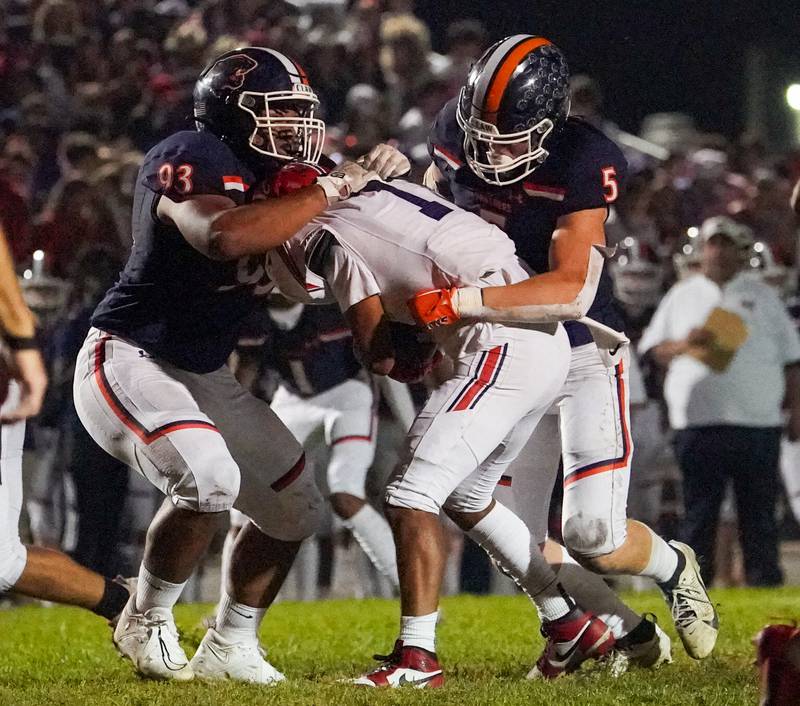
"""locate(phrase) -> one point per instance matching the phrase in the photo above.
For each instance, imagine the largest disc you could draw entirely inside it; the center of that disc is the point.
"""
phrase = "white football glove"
(344, 181)
(387, 161)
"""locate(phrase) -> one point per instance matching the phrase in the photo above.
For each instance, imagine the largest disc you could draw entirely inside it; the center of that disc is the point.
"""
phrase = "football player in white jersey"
(371, 257)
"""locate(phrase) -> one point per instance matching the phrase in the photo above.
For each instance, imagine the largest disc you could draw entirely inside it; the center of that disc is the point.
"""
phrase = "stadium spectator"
(72, 219)
(407, 60)
(731, 354)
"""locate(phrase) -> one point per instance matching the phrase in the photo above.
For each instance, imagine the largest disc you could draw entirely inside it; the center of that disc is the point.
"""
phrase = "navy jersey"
(314, 355)
(171, 300)
(584, 170)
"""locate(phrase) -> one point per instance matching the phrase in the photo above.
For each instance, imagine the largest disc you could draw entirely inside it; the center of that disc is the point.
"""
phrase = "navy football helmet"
(259, 100)
(515, 98)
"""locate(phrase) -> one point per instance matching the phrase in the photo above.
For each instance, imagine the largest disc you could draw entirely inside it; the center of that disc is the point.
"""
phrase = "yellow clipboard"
(729, 331)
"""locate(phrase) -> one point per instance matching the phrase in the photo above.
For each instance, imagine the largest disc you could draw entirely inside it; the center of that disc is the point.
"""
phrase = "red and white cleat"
(406, 666)
(570, 643)
(778, 659)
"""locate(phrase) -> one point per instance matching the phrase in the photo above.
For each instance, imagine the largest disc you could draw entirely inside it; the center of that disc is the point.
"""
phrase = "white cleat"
(693, 612)
(216, 658)
(648, 654)
(150, 641)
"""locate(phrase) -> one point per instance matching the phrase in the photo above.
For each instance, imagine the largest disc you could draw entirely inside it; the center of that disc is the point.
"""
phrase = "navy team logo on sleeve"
(229, 72)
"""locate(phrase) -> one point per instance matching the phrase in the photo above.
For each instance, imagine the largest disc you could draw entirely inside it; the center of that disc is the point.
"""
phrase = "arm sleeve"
(17, 323)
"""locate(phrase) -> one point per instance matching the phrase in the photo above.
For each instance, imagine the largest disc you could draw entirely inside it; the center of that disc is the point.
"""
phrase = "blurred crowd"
(88, 86)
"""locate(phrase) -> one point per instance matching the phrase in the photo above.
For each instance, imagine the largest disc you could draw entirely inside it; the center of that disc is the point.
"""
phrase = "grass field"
(64, 656)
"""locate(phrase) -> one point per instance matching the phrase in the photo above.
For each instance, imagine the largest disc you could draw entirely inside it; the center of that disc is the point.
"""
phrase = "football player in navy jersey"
(508, 150)
(324, 387)
(151, 385)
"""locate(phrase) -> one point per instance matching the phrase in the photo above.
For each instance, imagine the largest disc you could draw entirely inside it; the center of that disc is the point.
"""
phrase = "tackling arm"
(221, 230)
(564, 293)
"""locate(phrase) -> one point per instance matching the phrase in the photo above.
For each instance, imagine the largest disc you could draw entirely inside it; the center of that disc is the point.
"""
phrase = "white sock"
(419, 631)
(663, 560)
(225, 563)
(506, 539)
(237, 622)
(374, 535)
(591, 593)
(153, 592)
(552, 602)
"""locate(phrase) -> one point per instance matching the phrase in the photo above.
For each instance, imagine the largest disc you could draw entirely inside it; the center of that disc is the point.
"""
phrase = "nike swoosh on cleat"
(403, 680)
(222, 656)
(244, 615)
(564, 657)
(169, 663)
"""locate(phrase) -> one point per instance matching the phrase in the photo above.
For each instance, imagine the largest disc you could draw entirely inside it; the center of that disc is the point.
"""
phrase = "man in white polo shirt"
(732, 354)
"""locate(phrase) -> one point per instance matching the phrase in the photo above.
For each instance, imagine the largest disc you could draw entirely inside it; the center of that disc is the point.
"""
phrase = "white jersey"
(400, 238)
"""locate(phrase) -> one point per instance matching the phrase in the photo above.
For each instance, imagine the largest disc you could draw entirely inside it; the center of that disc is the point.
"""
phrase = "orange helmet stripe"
(507, 67)
(301, 72)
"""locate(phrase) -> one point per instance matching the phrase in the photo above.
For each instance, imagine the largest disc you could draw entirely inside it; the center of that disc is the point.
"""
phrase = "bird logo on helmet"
(231, 70)
(515, 99)
(260, 103)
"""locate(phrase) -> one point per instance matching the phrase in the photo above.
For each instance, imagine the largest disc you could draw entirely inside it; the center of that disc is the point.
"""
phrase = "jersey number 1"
(431, 209)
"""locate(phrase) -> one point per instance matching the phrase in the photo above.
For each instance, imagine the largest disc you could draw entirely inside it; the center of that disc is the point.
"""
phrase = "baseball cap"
(739, 234)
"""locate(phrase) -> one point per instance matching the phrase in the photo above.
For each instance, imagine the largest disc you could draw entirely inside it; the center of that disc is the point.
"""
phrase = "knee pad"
(464, 501)
(303, 517)
(591, 537)
(13, 557)
(347, 479)
(310, 520)
(291, 514)
(419, 485)
(207, 487)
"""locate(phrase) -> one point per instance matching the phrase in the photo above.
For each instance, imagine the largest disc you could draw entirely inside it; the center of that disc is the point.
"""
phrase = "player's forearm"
(560, 295)
(17, 323)
(664, 353)
(371, 338)
(550, 288)
(260, 226)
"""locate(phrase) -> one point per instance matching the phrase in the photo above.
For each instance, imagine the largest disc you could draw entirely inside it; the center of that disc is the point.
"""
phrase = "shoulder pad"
(446, 140)
(595, 167)
(190, 163)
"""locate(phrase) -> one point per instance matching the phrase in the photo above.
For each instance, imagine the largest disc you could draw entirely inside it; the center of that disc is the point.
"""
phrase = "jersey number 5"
(610, 185)
(180, 178)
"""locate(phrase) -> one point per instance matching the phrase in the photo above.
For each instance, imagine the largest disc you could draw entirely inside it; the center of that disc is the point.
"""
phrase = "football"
(415, 353)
